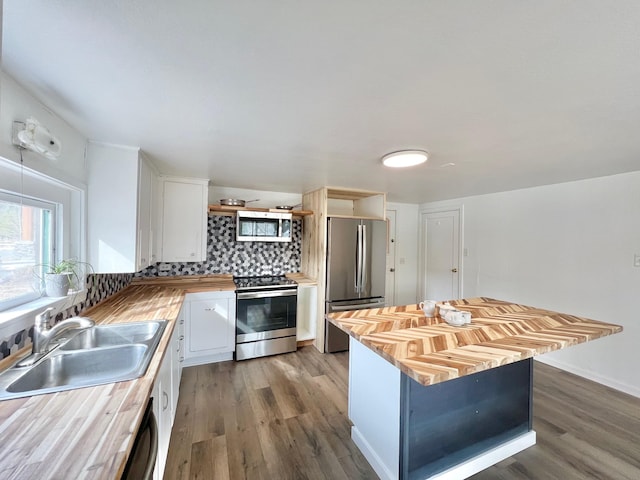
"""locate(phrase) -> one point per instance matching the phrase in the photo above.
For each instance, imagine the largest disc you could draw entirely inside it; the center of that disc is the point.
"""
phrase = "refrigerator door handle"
(363, 259)
(357, 265)
(358, 279)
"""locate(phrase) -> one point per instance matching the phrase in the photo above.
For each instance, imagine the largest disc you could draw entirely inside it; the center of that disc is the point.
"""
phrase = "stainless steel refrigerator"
(356, 264)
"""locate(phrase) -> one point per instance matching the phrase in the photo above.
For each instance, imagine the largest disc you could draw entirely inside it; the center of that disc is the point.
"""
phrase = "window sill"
(18, 318)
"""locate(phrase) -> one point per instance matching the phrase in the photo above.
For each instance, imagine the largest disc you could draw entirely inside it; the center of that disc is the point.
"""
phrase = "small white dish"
(444, 308)
(455, 317)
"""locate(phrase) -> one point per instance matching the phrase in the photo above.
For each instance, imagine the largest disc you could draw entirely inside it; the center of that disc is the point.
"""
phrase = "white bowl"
(454, 320)
(444, 308)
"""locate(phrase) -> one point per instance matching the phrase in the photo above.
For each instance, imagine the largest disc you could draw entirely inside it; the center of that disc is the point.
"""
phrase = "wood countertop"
(218, 282)
(301, 279)
(88, 432)
(430, 351)
(191, 283)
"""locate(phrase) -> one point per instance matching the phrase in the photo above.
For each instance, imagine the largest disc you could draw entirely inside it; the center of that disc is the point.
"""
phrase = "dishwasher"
(143, 456)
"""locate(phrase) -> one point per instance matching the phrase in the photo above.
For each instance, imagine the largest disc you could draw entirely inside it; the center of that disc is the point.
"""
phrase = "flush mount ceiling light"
(405, 158)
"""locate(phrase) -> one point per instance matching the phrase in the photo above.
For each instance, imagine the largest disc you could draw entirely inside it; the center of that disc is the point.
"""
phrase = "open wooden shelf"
(231, 211)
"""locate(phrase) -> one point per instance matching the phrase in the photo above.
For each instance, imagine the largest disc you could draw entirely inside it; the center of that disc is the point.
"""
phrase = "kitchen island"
(429, 400)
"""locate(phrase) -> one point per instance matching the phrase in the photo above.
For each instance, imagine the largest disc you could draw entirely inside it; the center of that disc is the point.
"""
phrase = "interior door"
(441, 255)
(390, 283)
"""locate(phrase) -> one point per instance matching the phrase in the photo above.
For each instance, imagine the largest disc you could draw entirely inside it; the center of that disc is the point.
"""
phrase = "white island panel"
(374, 409)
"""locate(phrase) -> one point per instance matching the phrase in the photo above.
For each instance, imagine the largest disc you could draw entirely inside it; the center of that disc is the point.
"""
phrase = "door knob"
(454, 270)
(392, 269)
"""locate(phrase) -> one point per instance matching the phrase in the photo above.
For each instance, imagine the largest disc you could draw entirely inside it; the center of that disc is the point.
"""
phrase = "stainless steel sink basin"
(83, 368)
(98, 355)
(110, 335)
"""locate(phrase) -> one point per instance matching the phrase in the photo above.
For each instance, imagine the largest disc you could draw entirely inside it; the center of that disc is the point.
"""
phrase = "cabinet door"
(145, 183)
(162, 411)
(184, 221)
(211, 329)
(112, 201)
(177, 357)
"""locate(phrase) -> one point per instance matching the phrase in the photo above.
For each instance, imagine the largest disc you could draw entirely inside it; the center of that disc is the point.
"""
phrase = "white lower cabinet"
(165, 394)
(210, 327)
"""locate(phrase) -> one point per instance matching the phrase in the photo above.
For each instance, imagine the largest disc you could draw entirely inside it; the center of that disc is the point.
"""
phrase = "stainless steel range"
(265, 316)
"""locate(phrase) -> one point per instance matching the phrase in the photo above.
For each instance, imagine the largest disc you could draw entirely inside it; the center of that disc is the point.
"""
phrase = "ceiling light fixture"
(35, 137)
(405, 158)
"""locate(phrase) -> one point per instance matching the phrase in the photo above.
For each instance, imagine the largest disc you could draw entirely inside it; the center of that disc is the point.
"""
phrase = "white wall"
(567, 247)
(17, 104)
(406, 252)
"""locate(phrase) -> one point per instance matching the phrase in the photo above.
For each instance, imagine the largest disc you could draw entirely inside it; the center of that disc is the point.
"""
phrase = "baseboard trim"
(489, 458)
(589, 375)
(464, 470)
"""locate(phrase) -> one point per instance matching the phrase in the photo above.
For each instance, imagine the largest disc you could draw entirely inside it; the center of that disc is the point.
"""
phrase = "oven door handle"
(271, 293)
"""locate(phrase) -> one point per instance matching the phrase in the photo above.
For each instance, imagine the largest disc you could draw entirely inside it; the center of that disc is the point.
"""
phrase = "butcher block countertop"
(430, 351)
(191, 283)
(301, 279)
(88, 432)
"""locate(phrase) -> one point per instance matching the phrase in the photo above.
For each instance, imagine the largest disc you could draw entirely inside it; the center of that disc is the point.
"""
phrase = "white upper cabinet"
(184, 219)
(120, 207)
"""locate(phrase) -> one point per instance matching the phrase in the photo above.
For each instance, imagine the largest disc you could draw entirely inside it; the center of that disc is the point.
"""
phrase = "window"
(43, 224)
(27, 239)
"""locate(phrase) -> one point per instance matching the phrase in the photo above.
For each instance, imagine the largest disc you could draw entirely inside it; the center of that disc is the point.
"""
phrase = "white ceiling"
(290, 95)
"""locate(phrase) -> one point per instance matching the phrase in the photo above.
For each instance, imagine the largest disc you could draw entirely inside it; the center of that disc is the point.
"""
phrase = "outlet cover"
(636, 260)
(164, 267)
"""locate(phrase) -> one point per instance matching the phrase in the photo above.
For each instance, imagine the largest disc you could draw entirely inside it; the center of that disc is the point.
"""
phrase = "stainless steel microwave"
(263, 226)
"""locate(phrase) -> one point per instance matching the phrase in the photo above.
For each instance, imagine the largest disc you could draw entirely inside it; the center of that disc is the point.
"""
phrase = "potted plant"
(62, 276)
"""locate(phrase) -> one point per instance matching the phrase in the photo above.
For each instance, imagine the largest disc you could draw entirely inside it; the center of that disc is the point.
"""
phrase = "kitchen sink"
(83, 368)
(111, 335)
(95, 356)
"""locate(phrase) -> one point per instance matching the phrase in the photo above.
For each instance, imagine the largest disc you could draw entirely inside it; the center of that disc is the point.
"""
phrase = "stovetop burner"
(263, 282)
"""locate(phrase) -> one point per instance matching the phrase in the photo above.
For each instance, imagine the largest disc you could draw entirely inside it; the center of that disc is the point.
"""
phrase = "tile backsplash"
(225, 255)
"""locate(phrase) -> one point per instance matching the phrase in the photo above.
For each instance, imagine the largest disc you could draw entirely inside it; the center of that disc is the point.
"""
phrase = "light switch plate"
(636, 260)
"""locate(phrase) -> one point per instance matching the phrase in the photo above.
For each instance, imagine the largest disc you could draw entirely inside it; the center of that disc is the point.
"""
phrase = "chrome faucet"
(44, 334)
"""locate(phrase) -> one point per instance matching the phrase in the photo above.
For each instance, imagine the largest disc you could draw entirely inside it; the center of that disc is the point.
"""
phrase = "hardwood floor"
(285, 417)
(584, 431)
(280, 417)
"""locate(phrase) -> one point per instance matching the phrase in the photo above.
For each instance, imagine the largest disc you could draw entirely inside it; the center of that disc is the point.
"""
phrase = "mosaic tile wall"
(225, 255)
(99, 287)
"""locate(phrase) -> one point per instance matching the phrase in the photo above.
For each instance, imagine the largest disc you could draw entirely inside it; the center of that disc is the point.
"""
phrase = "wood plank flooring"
(285, 417)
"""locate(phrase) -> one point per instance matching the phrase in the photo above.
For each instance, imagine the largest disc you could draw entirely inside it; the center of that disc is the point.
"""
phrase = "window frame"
(54, 208)
(70, 237)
